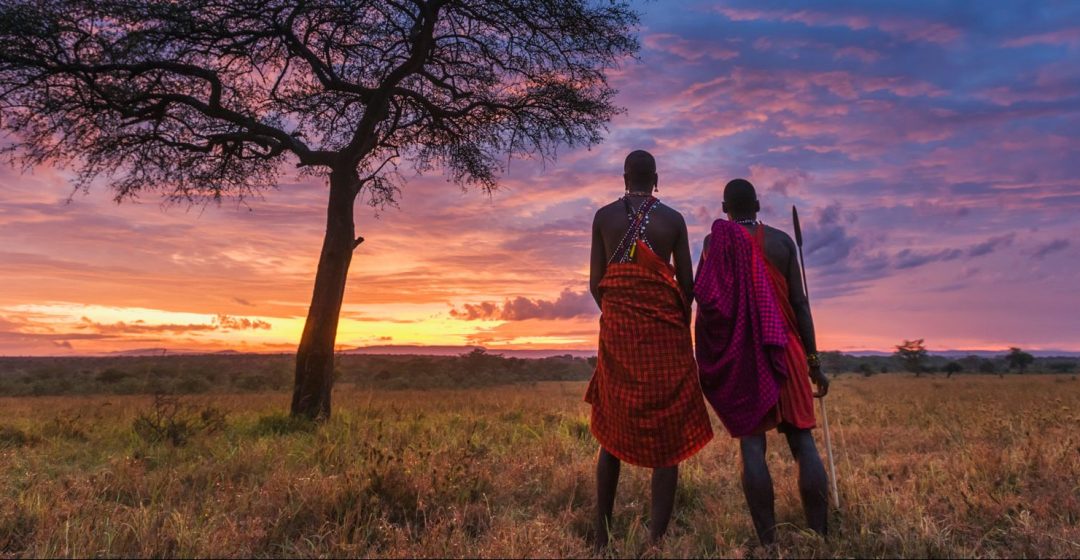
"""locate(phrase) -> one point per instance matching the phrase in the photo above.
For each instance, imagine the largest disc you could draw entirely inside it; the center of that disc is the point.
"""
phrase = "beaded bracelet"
(812, 360)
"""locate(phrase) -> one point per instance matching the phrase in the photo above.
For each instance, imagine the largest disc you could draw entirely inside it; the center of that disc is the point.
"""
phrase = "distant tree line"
(226, 373)
(912, 356)
(189, 374)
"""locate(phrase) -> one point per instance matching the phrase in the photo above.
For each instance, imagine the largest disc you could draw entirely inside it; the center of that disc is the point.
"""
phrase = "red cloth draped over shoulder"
(795, 406)
(647, 408)
(740, 332)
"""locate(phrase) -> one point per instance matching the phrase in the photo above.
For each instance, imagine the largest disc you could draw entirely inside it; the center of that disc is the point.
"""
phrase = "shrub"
(64, 426)
(111, 375)
(174, 421)
(11, 436)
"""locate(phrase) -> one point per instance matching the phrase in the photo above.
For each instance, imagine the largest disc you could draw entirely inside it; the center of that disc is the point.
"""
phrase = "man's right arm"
(799, 302)
(597, 260)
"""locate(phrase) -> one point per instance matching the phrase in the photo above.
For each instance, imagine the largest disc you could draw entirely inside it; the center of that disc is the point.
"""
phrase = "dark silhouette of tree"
(951, 368)
(1018, 359)
(912, 353)
(204, 99)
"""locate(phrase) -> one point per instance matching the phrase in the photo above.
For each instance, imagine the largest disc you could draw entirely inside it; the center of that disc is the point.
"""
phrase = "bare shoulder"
(607, 210)
(670, 213)
(779, 236)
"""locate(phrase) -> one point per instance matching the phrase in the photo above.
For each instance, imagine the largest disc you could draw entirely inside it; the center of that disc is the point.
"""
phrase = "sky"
(932, 148)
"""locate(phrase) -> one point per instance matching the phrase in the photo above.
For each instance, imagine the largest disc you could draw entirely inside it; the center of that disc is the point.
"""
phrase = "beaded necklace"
(639, 220)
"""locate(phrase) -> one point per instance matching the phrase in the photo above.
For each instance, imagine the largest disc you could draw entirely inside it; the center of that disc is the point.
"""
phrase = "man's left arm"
(684, 271)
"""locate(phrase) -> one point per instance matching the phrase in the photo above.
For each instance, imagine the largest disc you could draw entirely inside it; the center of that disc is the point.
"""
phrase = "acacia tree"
(912, 353)
(205, 99)
(1018, 359)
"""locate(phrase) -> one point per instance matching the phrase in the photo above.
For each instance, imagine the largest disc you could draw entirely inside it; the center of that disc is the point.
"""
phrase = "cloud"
(243, 302)
(868, 56)
(991, 245)
(140, 327)
(828, 242)
(910, 29)
(220, 323)
(687, 49)
(1068, 37)
(909, 258)
(569, 304)
(779, 181)
(226, 322)
(1051, 247)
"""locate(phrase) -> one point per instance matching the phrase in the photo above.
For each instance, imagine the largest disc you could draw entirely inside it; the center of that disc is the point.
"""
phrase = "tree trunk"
(315, 355)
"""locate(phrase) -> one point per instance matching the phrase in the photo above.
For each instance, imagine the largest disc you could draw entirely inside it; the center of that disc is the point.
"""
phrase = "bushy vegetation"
(974, 467)
(246, 373)
(241, 373)
(836, 362)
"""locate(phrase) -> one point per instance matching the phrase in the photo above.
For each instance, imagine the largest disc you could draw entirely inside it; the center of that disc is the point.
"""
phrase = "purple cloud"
(568, 305)
(1051, 247)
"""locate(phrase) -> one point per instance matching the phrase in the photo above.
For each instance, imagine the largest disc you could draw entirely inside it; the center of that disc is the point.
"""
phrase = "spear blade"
(798, 230)
(798, 242)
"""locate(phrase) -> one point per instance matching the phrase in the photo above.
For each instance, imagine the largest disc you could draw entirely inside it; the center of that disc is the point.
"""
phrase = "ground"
(968, 466)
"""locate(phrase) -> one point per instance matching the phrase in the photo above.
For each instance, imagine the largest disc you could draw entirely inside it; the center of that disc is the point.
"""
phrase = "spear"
(821, 400)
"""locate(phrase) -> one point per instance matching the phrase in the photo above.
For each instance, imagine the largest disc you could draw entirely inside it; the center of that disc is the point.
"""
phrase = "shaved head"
(639, 171)
(740, 198)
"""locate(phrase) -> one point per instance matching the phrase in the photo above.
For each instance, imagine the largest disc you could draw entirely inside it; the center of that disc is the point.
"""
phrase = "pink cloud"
(868, 56)
(914, 30)
(1067, 37)
(687, 49)
(568, 305)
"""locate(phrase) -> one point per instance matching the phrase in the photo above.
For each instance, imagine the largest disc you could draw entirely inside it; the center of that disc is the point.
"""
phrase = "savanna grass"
(969, 466)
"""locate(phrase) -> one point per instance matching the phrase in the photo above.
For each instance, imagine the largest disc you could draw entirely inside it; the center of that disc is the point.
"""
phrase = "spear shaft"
(821, 400)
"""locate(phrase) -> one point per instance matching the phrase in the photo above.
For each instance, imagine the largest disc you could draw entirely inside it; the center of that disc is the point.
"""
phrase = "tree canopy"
(913, 354)
(204, 98)
(1018, 359)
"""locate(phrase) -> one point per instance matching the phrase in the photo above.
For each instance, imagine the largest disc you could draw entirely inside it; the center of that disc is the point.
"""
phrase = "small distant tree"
(866, 369)
(205, 99)
(912, 353)
(1018, 359)
(951, 368)
(987, 366)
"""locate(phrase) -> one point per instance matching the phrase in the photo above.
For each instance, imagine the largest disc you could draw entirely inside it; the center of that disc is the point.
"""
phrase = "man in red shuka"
(757, 353)
(646, 402)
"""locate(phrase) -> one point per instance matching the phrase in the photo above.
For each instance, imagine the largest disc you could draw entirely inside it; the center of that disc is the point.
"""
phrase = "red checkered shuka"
(647, 406)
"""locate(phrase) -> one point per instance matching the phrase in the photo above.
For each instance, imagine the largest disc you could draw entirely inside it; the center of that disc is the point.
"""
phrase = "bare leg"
(607, 481)
(664, 481)
(758, 487)
(813, 484)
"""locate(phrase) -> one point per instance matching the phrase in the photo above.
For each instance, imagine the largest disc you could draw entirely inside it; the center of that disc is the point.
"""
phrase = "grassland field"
(974, 465)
